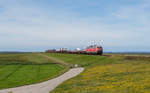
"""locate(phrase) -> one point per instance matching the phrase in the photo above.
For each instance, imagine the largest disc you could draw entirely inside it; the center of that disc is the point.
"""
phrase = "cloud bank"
(30, 25)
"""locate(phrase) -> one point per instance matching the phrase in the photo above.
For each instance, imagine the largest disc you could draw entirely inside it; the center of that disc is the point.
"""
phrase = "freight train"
(90, 50)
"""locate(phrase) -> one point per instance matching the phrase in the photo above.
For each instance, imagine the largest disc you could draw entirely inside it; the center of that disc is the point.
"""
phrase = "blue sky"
(36, 25)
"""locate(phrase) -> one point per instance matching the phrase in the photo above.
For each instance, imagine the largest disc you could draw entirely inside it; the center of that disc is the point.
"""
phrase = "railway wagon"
(90, 50)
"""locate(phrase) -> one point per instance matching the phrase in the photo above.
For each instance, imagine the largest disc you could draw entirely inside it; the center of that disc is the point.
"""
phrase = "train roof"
(94, 46)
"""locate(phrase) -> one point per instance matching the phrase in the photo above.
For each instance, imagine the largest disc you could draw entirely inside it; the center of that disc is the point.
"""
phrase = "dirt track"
(45, 87)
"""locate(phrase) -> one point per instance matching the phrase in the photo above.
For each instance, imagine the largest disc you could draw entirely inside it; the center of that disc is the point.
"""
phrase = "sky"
(37, 25)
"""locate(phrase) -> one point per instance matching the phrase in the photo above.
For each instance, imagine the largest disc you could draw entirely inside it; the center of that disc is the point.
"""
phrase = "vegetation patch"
(23, 69)
(85, 60)
(115, 74)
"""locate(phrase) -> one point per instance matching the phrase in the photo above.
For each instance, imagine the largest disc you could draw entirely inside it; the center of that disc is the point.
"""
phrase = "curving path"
(45, 87)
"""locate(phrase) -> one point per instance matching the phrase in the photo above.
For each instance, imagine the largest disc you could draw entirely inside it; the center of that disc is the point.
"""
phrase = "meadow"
(18, 69)
(114, 74)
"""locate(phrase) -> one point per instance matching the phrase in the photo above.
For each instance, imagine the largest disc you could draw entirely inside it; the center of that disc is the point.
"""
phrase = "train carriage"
(90, 50)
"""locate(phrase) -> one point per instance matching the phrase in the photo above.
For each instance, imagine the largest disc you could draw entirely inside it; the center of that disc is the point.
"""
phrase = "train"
(90, 50)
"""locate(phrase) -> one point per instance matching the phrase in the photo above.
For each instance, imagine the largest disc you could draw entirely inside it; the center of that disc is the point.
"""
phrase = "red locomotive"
(94, 49)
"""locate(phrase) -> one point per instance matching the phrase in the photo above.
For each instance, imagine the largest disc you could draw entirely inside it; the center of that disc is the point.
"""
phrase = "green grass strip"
(25, 75)
(7, 71)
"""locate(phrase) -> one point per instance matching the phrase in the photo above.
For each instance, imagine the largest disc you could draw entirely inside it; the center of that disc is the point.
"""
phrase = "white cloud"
(30, 26)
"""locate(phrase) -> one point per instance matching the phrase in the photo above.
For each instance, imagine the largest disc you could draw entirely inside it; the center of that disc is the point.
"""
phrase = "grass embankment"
(116, 74)
(84, 60)
(27, 68)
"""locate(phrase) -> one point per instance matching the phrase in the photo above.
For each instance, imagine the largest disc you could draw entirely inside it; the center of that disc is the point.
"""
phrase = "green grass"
(85, 60)
(18, 75)
(23, 58)
(115, 74)
(27, 68)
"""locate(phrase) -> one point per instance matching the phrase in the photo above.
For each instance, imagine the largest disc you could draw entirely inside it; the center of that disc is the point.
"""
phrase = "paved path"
(45, 87)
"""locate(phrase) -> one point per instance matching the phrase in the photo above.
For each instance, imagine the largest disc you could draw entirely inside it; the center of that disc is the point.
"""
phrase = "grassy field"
(115, 74)
(27, 68)
(85, 60)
